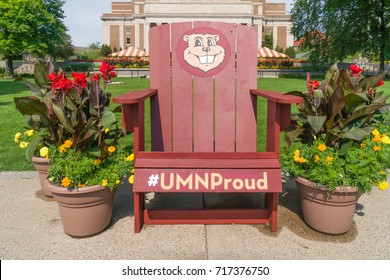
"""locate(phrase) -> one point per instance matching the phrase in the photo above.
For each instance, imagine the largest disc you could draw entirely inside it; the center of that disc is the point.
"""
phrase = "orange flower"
(111, 149)
(67, 144)
(65, 182)
(377, 148)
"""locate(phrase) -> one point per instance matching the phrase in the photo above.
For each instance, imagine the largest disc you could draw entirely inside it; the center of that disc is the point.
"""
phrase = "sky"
(82, 17)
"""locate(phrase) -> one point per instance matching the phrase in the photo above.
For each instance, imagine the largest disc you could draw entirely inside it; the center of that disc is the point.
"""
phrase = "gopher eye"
(198, 42)
(210, 42)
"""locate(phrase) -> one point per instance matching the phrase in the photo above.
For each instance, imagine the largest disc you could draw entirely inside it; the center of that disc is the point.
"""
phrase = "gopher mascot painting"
(203, 51)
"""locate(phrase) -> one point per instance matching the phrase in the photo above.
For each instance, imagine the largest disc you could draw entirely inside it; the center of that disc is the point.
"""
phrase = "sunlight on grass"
(12, 158)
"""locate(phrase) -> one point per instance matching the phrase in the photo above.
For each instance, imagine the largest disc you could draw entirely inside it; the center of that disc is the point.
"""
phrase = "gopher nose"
(206, 49)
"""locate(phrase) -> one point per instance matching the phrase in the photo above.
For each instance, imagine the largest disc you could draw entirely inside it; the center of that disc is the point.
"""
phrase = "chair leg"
(139, 202)
(271, 203)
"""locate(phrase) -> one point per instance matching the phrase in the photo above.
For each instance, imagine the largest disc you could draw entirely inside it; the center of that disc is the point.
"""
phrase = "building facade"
(128, 23)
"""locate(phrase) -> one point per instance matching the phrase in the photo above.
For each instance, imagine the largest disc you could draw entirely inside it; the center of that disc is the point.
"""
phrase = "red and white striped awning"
(268, 53)
(130, 52)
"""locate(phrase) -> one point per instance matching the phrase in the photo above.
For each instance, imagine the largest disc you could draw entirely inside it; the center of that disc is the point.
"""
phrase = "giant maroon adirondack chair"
(203, 81)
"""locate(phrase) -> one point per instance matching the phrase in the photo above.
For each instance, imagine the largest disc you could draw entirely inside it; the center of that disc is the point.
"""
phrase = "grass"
(13, 159)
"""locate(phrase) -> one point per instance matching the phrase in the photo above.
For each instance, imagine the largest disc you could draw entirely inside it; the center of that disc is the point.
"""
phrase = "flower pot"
(330, 213)
(42, 166)
(86, 211)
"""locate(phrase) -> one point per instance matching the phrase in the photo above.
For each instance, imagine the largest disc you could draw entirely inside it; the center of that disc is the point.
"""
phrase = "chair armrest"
(276, 96)
(133, 114)
(278, 115)
(134, 97)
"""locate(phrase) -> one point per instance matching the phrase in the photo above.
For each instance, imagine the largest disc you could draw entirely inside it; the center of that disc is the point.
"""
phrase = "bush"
(79, 67)
(275, 64)
(128, 62)
(2, 71)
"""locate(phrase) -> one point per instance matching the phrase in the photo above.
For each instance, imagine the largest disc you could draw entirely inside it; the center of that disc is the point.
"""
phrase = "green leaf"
(291, 134)
(355, 134)
(40, 74)
(353, 100)
(363, 112)
(32, 146)
(35, 90)
(32, 106)
(59, 111)
(108, 119)
(316, 122)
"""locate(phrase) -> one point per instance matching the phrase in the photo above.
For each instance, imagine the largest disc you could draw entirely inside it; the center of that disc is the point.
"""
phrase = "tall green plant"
(340, 111)
(70, 109)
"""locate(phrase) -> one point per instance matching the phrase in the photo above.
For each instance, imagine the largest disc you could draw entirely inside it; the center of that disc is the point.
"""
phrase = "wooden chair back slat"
(203, 114)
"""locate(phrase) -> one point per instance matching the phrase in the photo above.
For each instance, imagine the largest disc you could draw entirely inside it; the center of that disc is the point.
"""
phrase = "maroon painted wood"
(160, 78)
(203, 94)
(246, 129)
(225, 98)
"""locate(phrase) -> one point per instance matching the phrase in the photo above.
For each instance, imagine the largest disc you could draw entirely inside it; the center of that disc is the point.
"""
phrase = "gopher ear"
(216, 38)
(186, 38)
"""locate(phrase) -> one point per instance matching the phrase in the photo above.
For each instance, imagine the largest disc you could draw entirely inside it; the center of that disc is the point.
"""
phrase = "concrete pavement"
(31, 229)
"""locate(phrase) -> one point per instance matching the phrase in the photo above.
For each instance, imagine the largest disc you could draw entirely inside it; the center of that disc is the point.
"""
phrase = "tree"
(334, 29)
(33, 27)
(105, 50)
(94, 46)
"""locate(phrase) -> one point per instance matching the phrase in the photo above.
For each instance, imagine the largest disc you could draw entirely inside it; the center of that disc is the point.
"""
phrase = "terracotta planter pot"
(325, 212)
(86, 211)
(42, 166)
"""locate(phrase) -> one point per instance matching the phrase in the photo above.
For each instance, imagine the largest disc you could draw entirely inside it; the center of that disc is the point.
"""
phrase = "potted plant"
(89, 155)
(43, 126)
(37, 151)
(337, 146)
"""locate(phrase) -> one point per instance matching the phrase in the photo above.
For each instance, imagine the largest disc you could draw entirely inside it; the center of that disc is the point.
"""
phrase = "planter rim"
(312, 184)
(87, 189)
(39, 159)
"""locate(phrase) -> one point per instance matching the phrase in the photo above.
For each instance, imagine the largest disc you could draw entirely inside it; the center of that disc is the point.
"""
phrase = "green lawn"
(11, 122)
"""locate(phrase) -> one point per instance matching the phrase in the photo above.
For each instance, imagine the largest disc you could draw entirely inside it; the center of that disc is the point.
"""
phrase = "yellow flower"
(29, 133)
(129, 158)
(67, 144)
(321, 147)
(385, 139)
(382, 186)
(17, 137)
(362, 145)
(131, 179)
(107, 130)
(81, 185)
(96, 162)
(377, 148)
(377, 139)
(316, 158)
(62, 149)
(104, 183)
(299, 159)
(132, 171)
(375, 132)
(23, 145)
(117, 182)
(111, 149)
(329, 159)
(44, 152)
(65, 182)
(382, 172)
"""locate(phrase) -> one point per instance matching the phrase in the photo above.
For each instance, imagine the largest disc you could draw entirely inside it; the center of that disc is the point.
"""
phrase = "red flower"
(314, 85)
(380, 83)
(106, 70)
(356, 70)
(95, 77)
(64, 84)
(79, 80)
